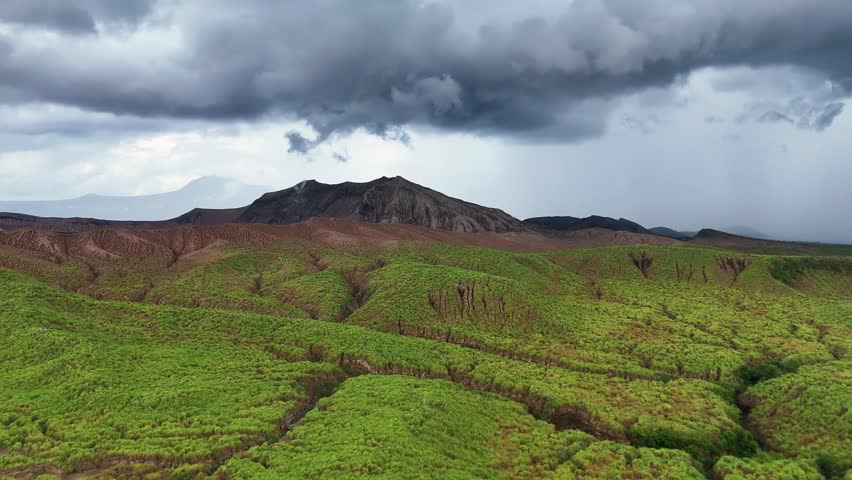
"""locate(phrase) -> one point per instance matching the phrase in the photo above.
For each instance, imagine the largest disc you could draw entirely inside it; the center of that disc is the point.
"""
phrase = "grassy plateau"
(420, 361)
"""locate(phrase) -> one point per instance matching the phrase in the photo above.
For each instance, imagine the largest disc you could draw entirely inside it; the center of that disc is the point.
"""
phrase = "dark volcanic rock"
(385, 200)
(209, 216)
(11, 221)
(573, 223)
(552, 223)
(671, 233)
(711, 233)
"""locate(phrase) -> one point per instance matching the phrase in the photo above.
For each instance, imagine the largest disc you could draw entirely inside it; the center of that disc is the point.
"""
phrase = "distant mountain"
(207, 192)
(574, 223)
(552, 223)
(707, 233)
(384, 200)
(718, 239)
(747, 232)
(670, 233)
(740, 231)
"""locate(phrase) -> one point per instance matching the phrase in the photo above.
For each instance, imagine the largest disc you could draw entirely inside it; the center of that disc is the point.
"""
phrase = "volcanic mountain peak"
(392, 200)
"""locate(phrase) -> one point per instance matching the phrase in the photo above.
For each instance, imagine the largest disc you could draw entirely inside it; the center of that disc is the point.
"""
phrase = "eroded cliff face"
(385, 200)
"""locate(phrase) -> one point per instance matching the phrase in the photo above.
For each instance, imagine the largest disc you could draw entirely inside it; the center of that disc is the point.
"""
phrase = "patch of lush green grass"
(77, 394)
(419, 295)
(401, 427)
(396, 427)
(647, 362)
(605, 460)
(764, 468)
(124, 351)
(618, 322)
(807, 413)
(828, 276)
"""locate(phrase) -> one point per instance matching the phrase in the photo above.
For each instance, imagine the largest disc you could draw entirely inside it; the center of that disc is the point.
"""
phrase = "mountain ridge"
(397, 201)
(671, 233)
(566, 223)
(393, 200)
(384, 200)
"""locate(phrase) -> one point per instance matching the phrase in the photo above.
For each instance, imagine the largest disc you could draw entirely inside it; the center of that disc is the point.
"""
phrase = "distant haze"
(206, 192)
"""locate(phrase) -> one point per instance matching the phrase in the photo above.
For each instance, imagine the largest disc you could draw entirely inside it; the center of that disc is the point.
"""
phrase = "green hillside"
(427, 361)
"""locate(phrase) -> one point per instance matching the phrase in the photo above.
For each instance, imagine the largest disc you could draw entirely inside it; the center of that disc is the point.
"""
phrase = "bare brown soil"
(182, 241)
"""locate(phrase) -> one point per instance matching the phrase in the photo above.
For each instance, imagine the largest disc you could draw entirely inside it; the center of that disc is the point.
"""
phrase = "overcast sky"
(687, 114)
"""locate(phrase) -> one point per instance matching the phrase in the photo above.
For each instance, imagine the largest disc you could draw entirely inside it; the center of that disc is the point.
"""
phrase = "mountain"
(574, 223)
(671, 233)
(384, 200)
(715, 238)
(209, 192)
(552, 223)
(744, 231)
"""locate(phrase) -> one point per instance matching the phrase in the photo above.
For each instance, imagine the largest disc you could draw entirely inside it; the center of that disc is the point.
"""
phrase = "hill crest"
(393, 200)
(565, 223)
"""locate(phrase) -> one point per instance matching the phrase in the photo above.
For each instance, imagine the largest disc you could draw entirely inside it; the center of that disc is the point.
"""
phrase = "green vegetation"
(78, 394)
(807, 412)
(764, 468)
(432, 361)
(825, 276)
(397, 427)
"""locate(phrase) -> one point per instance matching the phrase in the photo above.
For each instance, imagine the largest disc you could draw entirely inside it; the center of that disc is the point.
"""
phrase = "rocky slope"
(179, 242)
(12, 221)
(385, 200)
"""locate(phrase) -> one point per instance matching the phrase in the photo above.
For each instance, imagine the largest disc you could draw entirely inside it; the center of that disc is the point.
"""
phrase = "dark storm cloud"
(298, 143)
(383, 65)
(54, 15)
(826, 116)
(73, 16)
(800, 112)
(810, 100)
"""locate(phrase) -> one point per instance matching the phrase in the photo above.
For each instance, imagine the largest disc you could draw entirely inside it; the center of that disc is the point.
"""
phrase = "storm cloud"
(553, 73)
(74, 17)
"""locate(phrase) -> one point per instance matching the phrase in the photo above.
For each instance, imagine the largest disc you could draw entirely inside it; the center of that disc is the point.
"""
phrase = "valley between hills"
(385, 330)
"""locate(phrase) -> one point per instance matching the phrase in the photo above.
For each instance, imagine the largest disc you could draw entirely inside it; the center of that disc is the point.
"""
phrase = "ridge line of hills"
(397, 201)
(392, 200)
